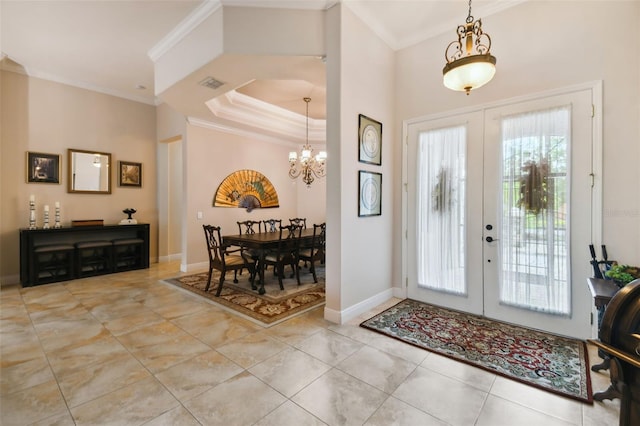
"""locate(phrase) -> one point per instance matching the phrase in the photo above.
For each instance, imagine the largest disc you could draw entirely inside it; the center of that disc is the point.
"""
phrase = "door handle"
(490, 239)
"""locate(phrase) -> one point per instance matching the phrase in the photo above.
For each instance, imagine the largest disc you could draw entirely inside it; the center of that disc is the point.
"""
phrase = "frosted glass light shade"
(469, 72)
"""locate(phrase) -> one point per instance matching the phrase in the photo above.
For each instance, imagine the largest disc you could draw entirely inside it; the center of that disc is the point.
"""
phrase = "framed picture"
(369, 140)
(130, 174)
(370, 193)
(43, 168)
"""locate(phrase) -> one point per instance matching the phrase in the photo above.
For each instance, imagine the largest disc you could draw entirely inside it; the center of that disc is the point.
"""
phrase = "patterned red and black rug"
(553, 363)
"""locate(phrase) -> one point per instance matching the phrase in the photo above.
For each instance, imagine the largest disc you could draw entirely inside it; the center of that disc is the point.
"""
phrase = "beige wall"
(360, 69)
(209, 157)
(43, 116)
(556, 54)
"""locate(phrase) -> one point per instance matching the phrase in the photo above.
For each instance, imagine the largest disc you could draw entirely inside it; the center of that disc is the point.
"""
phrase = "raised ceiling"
(105, 45)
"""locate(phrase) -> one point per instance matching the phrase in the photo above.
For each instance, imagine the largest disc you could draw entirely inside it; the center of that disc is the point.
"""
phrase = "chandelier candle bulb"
(309, 166)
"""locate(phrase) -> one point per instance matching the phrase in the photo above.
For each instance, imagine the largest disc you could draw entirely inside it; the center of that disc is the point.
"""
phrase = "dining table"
(262, 243)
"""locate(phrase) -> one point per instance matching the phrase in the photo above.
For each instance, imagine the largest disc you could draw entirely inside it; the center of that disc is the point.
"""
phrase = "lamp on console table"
(129, 220)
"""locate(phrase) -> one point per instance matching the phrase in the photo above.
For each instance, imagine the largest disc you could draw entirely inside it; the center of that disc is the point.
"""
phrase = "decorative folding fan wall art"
(247, 189)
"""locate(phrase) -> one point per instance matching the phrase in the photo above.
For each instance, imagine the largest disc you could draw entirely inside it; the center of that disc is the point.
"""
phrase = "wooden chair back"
(302, 221)
(249, 227)
(272, 225)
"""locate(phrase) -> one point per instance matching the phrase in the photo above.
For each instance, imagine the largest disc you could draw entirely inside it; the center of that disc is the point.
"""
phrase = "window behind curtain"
(441, 209)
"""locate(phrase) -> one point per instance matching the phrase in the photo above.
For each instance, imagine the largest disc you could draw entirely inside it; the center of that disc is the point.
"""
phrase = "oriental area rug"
(549, 362)
(268, 309)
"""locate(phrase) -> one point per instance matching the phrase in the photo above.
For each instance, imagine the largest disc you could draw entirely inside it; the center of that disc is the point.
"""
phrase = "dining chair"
(223, 260)
(249, 227)
(272, 225)
(286, 253)
(315, 253)
(302, 221)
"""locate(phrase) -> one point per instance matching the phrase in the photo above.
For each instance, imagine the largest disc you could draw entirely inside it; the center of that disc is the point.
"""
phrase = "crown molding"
(234, 106)
(237, 131)
(444, 27)
(188, 24)
(83, 85)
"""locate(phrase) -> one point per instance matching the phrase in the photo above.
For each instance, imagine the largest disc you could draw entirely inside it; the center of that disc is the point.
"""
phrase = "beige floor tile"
(466, 373)
(216, 327)
(296, 329)
(131, 405)
(31, 404)
(182, 308)
(162, 345)
(251, 349)
(69, 333)
(395, 412)
(67, 361)
(127, 324)
(328, 346)
(98, 379)
(444, 398)
(25, 375)
(500, 412)
(241, 400)
(337, 398)
(539, 400)
(179, 416)
(398, 348)
(197, 375)
(388, 373)
(289, 371)
(289, 414)
(99, 341)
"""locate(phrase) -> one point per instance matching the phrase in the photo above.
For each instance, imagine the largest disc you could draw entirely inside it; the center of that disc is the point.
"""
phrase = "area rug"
(553, 363)
(268, 309)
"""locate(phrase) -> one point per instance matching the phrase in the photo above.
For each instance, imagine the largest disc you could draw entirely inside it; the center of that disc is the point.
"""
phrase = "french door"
(499, 212)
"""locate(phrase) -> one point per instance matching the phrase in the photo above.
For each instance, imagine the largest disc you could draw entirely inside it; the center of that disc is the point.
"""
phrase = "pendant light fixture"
(469, 61)
(307, 165)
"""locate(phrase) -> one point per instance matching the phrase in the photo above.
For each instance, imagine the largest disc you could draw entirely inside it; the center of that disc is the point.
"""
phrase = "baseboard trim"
(8, 280)
(190, 267)
(345, 315)
(170, 258)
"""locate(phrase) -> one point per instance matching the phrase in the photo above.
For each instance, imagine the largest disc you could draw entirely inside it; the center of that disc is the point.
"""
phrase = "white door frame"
(596, 166)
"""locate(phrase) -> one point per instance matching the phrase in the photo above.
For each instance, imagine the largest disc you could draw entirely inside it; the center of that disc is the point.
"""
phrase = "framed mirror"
(89, 172)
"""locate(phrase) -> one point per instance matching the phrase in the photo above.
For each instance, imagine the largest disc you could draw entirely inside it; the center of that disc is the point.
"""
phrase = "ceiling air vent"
(211, 83)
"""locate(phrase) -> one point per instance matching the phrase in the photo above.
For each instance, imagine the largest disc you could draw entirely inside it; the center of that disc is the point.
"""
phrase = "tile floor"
(125, 349)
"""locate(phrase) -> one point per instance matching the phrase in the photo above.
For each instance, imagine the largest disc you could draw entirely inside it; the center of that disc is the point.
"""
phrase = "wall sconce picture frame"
(369, 194)
(130, 174)
(369, 140)
(43, 168)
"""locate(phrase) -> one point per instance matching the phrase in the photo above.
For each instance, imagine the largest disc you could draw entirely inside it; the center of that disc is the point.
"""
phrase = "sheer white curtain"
(441, 209)
(535, 197)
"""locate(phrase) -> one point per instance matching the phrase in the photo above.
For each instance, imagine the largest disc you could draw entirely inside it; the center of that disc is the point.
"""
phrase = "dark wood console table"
(33, 240)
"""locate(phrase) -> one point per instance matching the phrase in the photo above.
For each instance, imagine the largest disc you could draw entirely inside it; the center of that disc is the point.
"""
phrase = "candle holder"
(32, 214)
(57, 218)
(46, 220)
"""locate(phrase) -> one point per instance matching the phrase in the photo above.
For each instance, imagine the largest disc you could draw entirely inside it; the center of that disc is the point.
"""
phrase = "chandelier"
(307, 166)
(469, 62)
